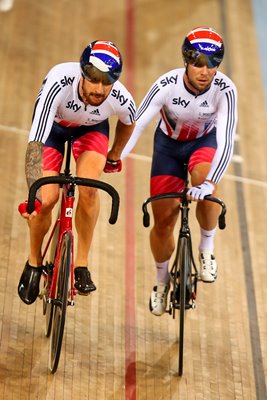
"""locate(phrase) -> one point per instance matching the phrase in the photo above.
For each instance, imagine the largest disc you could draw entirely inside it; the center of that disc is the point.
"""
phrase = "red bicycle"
(58, 290)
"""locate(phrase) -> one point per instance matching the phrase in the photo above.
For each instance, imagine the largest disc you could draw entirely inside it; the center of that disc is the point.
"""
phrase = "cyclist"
(198, 115)
(76, 100)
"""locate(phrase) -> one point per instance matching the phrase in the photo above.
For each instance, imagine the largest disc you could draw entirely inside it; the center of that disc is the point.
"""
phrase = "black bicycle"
(184, 273)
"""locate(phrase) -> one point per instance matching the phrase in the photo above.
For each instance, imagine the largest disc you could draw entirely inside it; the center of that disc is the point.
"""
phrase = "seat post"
(68, 156)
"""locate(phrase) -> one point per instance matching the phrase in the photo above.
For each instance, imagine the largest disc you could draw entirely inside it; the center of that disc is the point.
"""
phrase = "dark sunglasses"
(94, 75)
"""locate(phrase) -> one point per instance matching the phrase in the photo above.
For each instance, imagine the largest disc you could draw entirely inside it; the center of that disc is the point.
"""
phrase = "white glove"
(199, 192)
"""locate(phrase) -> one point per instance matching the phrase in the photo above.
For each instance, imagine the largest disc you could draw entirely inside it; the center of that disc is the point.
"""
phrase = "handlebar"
(74, 180)
(183, 197)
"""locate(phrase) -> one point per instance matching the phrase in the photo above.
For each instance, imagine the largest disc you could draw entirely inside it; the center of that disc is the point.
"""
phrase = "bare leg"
(161, 236)
(206, 212)
(89, 165)
(207, 215)
(28, 287)
(40, 224)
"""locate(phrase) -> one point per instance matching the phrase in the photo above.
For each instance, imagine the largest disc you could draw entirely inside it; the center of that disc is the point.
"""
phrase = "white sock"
(162, 272)
(207, 240)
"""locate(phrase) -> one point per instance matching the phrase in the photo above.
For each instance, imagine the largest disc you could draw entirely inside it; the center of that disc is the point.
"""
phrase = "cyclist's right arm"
(43, 118)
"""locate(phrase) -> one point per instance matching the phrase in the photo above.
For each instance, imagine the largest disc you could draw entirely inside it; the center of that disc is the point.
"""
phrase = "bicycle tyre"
(184, 267)
(48, 307)
(60, 302)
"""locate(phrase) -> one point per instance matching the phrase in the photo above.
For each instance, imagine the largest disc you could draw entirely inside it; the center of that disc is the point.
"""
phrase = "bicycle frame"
(65, 225)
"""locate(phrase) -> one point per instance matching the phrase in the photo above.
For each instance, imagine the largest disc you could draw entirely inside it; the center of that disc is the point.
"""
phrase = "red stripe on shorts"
(203, 155)
(52, 159)
(166, 184)
(93, 141)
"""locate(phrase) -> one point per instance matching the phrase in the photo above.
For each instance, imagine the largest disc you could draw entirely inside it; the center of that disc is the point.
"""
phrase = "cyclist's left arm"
(225, 134)
(226, 129)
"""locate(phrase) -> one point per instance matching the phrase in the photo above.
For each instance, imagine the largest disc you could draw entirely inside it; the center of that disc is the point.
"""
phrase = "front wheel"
(184, 268)
(47, 304)
(60, 302)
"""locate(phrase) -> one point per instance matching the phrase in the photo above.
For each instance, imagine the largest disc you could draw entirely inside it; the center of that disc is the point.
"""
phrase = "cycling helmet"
(101, 62)
(203, 46)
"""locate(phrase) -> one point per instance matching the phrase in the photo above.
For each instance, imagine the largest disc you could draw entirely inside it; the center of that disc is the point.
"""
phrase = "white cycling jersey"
(59, 100)
(185, 116)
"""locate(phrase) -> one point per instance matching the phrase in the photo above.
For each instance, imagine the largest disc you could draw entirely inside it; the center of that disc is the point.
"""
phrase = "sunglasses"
(199, 60)
(94, 75)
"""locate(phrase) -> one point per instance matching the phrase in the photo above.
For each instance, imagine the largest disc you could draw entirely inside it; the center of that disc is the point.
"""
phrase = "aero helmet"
(203, 46)
(101, 62)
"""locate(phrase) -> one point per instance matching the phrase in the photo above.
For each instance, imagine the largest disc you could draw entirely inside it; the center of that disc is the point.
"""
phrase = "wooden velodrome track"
(113, 347)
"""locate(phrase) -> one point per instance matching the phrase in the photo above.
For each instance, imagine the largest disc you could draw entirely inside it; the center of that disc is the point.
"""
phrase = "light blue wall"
(260, 17)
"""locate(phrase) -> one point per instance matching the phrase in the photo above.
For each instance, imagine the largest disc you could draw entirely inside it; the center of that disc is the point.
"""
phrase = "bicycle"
(58, 290)
(184, 273)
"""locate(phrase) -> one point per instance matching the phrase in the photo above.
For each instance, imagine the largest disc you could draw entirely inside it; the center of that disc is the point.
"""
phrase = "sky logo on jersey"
(168, 81)
(105, 56)
(73, 106)
(222, 85)
(180, 102)
(117, 94)
(67, 81)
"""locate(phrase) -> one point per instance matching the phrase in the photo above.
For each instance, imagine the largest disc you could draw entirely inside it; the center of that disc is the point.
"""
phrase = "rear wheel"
(60, 302)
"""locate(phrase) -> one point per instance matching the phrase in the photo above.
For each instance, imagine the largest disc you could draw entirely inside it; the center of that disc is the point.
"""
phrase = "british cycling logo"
(207, 48)
(117, 94)
(222, 85)
(168, 80)
(67, 81)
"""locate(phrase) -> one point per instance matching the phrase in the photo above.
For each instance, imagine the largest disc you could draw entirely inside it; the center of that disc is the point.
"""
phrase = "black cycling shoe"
(83, 281)
(28, 288)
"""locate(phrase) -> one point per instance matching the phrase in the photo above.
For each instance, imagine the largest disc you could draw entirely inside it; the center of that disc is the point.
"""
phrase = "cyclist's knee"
(199, 173)
(163, 228)
(48, 203)
(87, 195)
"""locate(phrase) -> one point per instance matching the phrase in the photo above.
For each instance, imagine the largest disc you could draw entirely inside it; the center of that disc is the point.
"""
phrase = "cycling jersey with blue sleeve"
(59, 100)
(185, 116)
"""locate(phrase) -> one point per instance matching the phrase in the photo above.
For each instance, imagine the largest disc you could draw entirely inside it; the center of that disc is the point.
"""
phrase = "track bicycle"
(58, 289)
(184, 273)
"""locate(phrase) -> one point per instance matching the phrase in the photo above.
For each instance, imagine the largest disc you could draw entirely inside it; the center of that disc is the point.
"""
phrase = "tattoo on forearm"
(34, 162)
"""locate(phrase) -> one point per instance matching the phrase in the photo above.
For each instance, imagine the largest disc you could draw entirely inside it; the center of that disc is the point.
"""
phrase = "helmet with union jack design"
(101, 61)
(203, 46)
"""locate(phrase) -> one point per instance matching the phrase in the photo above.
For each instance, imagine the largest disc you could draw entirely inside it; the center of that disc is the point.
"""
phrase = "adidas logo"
(204, 104)
(95, 112)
